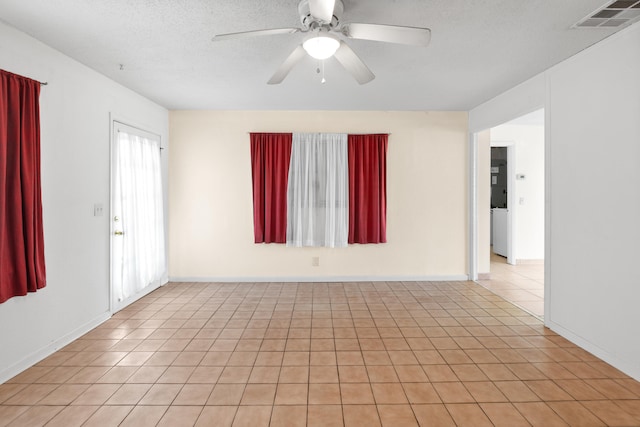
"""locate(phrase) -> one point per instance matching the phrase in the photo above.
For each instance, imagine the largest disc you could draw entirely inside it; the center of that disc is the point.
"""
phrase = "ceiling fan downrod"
(309, 22)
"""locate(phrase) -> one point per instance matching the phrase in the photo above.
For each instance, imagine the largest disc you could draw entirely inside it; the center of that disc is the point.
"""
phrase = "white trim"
(527, 261)
(512, 217)
(118, 125)
(518, 101)
(631, 369)
(473, 207)
(499, 143)
(547, 204)
(511, 117)
(323, 279)
(130, 122)
(51, 348)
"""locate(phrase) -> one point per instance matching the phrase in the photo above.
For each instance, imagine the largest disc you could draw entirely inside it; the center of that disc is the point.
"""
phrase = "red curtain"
(368, 188)
(22, 266)
(270, 155)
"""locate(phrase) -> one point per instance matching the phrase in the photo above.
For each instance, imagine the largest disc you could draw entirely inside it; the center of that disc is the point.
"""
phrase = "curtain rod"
(348, 133)
(18, 75)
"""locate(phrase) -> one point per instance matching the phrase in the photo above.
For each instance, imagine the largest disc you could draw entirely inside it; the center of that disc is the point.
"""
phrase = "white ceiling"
(479, 48)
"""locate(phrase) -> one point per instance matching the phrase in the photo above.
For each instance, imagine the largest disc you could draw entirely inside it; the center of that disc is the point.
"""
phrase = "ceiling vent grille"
(613, 14)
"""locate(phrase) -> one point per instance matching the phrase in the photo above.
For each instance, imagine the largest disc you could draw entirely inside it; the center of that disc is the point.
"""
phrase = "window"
(335, 187)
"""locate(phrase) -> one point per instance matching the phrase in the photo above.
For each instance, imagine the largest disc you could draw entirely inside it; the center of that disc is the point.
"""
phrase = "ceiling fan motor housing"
(310, 22)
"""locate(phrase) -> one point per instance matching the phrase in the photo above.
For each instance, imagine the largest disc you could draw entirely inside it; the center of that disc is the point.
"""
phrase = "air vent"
(613, 14)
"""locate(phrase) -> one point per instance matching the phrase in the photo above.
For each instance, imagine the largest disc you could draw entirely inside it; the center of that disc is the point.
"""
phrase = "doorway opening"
(502, 188)
(138, 260)
(510, 211)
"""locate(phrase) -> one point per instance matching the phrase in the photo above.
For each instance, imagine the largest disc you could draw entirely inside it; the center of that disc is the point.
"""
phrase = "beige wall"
(211, 222)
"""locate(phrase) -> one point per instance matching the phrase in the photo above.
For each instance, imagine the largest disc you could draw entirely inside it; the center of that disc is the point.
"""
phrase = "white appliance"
(499, 222)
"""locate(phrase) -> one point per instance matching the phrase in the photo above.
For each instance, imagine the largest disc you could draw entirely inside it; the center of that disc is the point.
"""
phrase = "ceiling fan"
(321, 19)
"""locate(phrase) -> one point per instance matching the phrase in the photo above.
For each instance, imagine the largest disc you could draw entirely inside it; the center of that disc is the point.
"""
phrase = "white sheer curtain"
(138, 204)
(318, 191)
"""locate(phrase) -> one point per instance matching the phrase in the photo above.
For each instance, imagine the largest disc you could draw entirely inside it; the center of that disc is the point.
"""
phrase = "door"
(502, 199)
(137, 227)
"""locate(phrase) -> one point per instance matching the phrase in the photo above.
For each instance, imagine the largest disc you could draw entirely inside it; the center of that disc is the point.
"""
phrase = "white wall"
(211, 215)
(75, 109)
(594, 130)
(528, 192)
(592, 152)
(528, 96)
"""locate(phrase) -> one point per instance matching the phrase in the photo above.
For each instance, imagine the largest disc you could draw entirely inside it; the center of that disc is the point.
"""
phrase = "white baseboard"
(54, 346)
(306, 279)
(630, 368)
(529, 261)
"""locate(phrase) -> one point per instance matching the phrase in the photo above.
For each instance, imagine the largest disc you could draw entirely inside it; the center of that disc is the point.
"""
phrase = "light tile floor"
(345, 354)
(521, 284)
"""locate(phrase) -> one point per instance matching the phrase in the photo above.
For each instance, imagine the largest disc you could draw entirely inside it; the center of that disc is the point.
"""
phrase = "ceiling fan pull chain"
(323, 81)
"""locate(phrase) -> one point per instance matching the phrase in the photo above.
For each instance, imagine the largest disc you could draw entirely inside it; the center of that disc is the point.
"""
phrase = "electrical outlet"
(315, 261)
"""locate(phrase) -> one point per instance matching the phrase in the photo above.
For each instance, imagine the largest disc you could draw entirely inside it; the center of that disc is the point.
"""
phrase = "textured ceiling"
(479, 48)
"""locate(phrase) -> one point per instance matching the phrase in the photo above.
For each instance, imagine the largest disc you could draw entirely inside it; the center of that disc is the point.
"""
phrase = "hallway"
(522, 285)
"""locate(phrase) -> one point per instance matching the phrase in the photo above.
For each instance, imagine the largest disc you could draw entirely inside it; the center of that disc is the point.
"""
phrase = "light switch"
(98, 209)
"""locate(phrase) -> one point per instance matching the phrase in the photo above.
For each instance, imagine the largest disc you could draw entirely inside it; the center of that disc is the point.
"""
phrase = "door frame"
(472, 178)
(114, 122)
(511, 196)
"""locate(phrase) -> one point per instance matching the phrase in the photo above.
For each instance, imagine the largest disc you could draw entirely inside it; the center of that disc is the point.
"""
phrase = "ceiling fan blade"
(388, 33)
(322, 9)
(353, 64)
(247, 34)
(284, 69)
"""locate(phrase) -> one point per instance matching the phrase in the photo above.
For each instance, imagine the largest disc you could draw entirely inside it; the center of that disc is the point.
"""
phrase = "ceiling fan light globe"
(321, 47)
